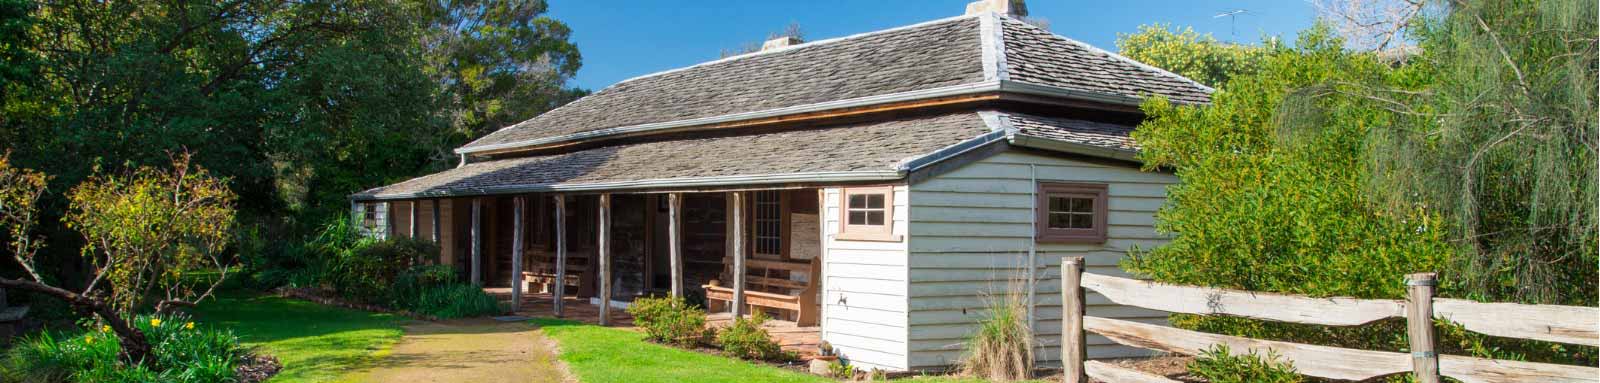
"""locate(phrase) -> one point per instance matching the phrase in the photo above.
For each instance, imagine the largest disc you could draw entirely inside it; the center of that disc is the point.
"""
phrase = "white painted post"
(413, 223)
(605, 259)
(561, 252)
(1073, 347)
(477, 242)
(1419, 326)
(518, 206)
(738, 253)
(675, 241)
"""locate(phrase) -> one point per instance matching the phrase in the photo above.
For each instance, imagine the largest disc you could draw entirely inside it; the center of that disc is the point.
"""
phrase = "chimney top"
(1014, 8)
(780, 42)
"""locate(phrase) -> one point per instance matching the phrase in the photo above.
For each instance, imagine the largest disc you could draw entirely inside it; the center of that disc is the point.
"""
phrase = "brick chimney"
(1014, 8)
(780, 43)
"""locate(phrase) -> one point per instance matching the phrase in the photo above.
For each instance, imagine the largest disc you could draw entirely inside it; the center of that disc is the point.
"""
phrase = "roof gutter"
(741, 180)
(992, 86)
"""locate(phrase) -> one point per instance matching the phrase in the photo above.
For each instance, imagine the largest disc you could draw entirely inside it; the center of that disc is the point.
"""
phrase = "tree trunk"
(135, 347)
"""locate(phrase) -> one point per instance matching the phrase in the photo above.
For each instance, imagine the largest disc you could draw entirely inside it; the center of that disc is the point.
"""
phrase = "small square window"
(1072, 212)
(868, 214)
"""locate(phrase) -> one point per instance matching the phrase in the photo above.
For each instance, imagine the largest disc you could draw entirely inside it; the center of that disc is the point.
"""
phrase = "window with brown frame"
(1071, 212)
(767, 226)
(867, 214)
(369, 215)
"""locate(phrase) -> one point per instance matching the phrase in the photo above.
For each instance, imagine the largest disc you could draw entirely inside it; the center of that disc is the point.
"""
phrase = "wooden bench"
(768, 291)
(541, 271)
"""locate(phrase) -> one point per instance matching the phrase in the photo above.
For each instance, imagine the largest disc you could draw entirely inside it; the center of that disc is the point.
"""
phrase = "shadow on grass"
(315, 343)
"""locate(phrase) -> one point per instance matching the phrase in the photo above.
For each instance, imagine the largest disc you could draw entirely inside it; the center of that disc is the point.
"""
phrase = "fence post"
(1073, 348)
(1419, 326)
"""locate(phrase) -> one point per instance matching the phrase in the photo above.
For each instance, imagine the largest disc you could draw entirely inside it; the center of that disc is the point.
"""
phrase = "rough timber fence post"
(738, 253)
(518, 206)
(1073, 348)
(436, 223)
(412, 226)
(477, 242)
(675, 241)
(1419, 326)
(605, 259)
(561, 253)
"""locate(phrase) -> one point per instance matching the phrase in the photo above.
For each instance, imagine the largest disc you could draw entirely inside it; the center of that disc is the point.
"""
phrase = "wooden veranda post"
(675, 242)
(413, 228)
(1073, 348)
(517, 214)
(605, 259)
(561, 252)
(738, 253)
(1419, 326)
(477, 242)
(436, 223)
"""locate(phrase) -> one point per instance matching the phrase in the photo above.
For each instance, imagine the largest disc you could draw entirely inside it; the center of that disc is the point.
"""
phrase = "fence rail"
(1564, 324)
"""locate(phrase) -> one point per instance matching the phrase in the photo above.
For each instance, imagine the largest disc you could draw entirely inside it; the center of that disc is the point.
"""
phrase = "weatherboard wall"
(864, 290)
(968, 238)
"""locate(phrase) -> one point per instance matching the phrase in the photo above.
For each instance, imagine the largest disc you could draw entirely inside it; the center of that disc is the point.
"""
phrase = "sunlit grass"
(598, 354)
(314, 342)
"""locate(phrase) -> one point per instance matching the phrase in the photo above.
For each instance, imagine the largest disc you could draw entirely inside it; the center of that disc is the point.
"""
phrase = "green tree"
(1199, 57)
(1502, 142)
(147, 232)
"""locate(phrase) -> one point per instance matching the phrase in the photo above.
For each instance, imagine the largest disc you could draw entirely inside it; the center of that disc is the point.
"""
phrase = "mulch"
(257, 368)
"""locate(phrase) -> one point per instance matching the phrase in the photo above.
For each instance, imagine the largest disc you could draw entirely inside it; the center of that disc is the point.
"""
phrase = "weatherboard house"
(879, 188)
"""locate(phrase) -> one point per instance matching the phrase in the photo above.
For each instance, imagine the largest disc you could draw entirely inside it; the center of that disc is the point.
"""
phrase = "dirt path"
(468, 350)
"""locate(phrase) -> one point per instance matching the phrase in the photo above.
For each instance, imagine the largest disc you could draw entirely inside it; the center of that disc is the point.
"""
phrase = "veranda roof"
(856, 152)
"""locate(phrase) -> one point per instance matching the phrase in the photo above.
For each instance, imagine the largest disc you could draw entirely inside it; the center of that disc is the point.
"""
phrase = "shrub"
(1002, 347)
(181, 352)
(454, 300)
(746, 339)
(368, 271)
(669, 320)
(1218, 365)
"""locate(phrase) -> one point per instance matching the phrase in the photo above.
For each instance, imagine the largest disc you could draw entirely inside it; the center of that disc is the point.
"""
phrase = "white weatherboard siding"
(969, 236)
(864, 290)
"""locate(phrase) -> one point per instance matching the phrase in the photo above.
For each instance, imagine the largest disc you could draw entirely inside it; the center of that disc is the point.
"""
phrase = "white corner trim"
(994, 47)
(991, 119)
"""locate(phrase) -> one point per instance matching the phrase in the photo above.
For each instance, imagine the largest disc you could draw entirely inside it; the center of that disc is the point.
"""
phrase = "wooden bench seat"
(802, 305)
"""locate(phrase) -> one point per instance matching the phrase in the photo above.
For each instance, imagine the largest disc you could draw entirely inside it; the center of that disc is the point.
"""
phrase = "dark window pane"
(858, 201)
(857, 218)
(875, 218)
(1057, 203)
(1083, 205)
(874, 201)
(1058, 220)
(1083, 221)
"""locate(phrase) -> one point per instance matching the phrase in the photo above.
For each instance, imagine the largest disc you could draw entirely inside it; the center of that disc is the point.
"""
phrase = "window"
(1072, 213)
(868, 214)
(768, 223)
(369, 215)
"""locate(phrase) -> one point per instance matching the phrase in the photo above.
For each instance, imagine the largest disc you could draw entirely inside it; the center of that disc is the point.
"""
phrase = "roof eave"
(670, 183)
(1042, 143)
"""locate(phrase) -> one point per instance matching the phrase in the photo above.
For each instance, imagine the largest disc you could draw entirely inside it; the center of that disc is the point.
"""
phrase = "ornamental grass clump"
(1002, 347)
(181, 351)
(670, 320)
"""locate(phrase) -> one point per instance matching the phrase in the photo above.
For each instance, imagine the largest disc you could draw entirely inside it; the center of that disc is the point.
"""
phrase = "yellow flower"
(188, 326)
(155, 322)
(105, 328)
(88, 339)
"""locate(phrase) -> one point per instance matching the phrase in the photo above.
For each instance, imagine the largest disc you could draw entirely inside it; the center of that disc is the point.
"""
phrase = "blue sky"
(623, 39)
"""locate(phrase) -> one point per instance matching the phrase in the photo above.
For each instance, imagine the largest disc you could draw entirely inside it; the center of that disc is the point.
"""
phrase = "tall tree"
(1199, 57)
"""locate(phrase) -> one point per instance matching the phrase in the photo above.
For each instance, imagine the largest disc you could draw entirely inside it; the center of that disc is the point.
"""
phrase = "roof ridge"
(794, 47)
(1114, 55)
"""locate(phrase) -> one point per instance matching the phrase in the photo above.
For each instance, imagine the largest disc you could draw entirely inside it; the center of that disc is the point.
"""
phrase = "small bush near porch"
(598, 354)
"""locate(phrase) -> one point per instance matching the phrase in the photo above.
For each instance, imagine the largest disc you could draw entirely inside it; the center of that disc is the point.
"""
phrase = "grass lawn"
(315, 343)
(598, 354)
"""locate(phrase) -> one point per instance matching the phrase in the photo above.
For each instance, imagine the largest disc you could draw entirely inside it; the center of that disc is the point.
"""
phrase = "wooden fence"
(1563, 324)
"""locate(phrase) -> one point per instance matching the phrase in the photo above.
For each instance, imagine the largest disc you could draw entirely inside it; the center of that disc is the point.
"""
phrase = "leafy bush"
(1218, 365)
(454, 300)
(369, 271)
(1002, 347)
(746, 339)
(669, 320)
(181, 352)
